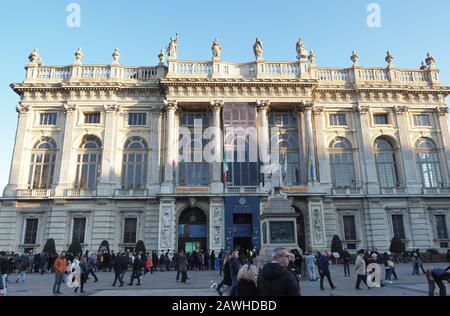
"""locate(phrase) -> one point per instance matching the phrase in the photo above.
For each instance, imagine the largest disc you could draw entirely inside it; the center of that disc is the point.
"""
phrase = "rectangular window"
(441, 227)
(129, 232)
(397, 226)
(92, 118)
(47, 119)
(338, 119)
(421, 120)
(79, 229)
(31, 227)
(137, 119)
(380, 119)
(349, 227)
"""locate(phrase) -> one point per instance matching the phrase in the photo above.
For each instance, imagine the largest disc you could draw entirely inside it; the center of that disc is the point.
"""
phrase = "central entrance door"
(301, 232)
(192, 230)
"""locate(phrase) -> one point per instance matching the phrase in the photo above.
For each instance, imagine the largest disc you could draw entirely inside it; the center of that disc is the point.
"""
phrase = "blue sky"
(141, 28)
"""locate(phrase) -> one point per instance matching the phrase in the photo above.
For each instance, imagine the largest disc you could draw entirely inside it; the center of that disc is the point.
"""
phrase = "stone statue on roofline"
(216, 49)
(302, 52)
(258, 49)
(162, 57)
(172, 49)
(35, 58)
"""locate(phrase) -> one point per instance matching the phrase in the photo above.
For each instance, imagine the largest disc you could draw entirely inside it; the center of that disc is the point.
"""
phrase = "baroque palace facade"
(367, 154)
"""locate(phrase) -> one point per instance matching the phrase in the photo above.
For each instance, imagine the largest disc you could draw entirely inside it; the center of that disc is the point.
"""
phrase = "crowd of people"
(242, 275)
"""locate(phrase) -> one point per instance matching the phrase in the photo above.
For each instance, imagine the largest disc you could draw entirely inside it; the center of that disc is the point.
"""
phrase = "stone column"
(64, 183)
(411, 181)
(217, 185)
(366, 157)
(171, 107)
(154, 165)
(311, 172)
(263, 107)
(442, 113)
(318, 142)
(108, 177)
(18, 157)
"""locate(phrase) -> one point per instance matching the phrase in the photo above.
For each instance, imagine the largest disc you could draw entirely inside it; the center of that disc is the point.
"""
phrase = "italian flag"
(225, 169)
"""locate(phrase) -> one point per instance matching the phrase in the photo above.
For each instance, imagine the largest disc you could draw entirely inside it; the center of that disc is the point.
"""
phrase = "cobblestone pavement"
(164, 284)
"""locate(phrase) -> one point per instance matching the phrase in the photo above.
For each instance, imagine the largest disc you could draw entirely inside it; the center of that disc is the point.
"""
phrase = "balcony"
(393, 190)
(346, 191)
(81, 193)
(436, 190)
(34, 193)
(131, 193)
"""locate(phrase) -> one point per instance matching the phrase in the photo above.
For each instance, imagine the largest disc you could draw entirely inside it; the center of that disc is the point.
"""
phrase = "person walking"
(311, 263)
(226, 274)
(213, 260)
(119, 267)
(415, 264)
(437, 276)
(388, 266)
(234, 270)
(247, 281)
(182, 266)
(23, 266)
(4, 270)
(136, 274)
(221, 261)
(346, 262)
(360, 269)
(90, 266)
(292, 267)
(275, 279)
(323, 265)
(60, 267)
(84, 272)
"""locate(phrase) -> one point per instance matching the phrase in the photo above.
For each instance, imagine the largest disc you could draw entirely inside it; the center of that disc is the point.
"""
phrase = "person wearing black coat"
(226, 275)
(136, 274)
(119, 269)
(275, 279)
(247, 278)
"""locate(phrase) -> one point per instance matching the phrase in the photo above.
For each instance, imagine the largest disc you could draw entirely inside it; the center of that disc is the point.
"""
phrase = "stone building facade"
(96, 153)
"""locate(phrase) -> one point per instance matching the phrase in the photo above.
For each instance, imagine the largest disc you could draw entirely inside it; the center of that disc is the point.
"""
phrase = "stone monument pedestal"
(278, 227)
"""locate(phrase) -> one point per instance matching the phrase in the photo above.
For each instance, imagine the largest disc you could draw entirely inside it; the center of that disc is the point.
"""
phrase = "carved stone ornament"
(389, 57)
(170, 105)
(165, 229)
(318, 110)
(317, 226)
(172, 48)
(263, 105)
(430, 61)
(354, 58)
(69, 107)
(216, 105)
(400, 109)
(312, 57)
(22, 108)
(361, 109)
(111, 107)
(441, 110)
(162, 57)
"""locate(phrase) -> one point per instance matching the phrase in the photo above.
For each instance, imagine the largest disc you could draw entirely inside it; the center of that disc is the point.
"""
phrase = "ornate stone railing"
(346, 191)
(439, 190)
(33, 193)
(243, 189)
(131, 192)
(81, 193)
(393, 190)
(222, 69)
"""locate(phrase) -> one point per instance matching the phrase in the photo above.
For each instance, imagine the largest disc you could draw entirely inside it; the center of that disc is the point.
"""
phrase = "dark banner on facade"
(242, 224)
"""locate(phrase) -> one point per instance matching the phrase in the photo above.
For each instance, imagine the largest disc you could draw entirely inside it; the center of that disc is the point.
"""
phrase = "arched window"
(89, 163)
(134, 165)
(385, 161)
(428, 163)
(341, 162)
(42, 165)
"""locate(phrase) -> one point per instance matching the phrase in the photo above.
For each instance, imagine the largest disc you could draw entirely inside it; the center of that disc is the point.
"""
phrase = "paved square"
(164, 284)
